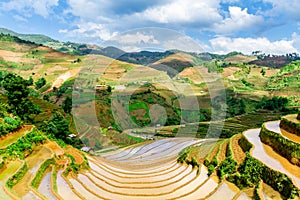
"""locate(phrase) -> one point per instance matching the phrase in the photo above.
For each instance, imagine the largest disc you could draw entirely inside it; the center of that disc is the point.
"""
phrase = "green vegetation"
(226, 167)
(290, 125)
(57, 126)
(10, 38)
(283, 146)
(23, 146)
(275, 103)
(287, 77)
(40, 173)
(252, 171)
(40, 83)
(12, 181)
(17, 92)
(9, 124)
(67, 105)
(75, 167)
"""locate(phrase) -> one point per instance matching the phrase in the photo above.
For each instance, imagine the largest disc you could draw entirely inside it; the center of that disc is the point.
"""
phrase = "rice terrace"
(149, 113)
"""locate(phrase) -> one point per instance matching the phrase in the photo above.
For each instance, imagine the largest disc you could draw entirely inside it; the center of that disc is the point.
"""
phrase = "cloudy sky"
(220, 26)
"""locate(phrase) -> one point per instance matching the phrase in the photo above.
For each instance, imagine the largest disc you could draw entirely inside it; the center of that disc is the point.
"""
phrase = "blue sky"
(220, 26)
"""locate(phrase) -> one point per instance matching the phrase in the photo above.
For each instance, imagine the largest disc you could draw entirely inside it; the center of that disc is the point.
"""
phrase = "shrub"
(39, 174)
(12, 181)
(283, 146)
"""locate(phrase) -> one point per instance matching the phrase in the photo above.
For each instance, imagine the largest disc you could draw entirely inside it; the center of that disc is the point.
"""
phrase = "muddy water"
(3, 195)
(175, 190)
(45, 187)
(145, 180)
(129, 183)
(6, 172)
(269, 157)
(141, 148)
(274, 126)
(244, 196)
(79, 188)
(31, 196)
(225, 191)
(142, 171)
(136, 178)
(192, 190)
(290, 136)
(269, 193)
(63, 189)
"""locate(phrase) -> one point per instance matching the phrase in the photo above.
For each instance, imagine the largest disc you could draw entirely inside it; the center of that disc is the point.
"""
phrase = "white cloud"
(20, 18)
(225, 45)
(296, 40)
(136, 38)
(63, 31)
(130, 48)
(183, 43)
(230, 1)
(92, 10)
(40, 7)
(89, 30)
(289, 8)
(183, 11)
(239, 20)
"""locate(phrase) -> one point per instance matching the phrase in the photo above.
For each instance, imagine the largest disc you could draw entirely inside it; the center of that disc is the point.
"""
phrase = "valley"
(146, 125)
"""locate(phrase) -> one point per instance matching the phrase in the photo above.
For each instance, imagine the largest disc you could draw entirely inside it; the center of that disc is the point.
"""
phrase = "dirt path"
(62, 78)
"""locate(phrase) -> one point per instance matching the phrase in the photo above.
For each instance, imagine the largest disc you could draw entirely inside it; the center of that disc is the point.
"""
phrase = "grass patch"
(12, 181)
(40, 173)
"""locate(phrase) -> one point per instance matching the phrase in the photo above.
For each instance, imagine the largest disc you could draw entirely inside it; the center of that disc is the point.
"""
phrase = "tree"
(242, 106)
(58, 126)
(17, 92)
(40, 83)
(30, 80)
(67, 105)
(109, 89)
(16, 88)
(1, 76)
(263, 72)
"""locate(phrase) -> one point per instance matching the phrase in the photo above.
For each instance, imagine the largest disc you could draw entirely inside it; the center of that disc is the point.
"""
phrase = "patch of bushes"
(245, 144)
(252, 171)
(290, 126)
(9, 125)
(275, 103)
(39, 175)
(2, 164)
(281, 145)
(211, 165)
(12, 181)
(54, 177)
(183, 155)
(24, 145)
(72, 167)
(226, 167)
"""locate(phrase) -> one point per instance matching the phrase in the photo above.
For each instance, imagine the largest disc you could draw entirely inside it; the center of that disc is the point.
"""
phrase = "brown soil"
(222, 151)
(228, 71)
(214, 152)
(65, 76)
(78, 157)
(54, 148)
(238, 153)
(139, 114)
(55, 68)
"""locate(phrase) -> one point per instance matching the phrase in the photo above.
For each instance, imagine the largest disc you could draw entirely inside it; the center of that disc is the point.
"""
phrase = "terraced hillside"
(257, 161)
(205, 169)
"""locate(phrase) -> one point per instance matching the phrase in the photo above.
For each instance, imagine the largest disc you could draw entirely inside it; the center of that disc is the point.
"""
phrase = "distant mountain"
(36, 38)
(144, 57)
(275, 61)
